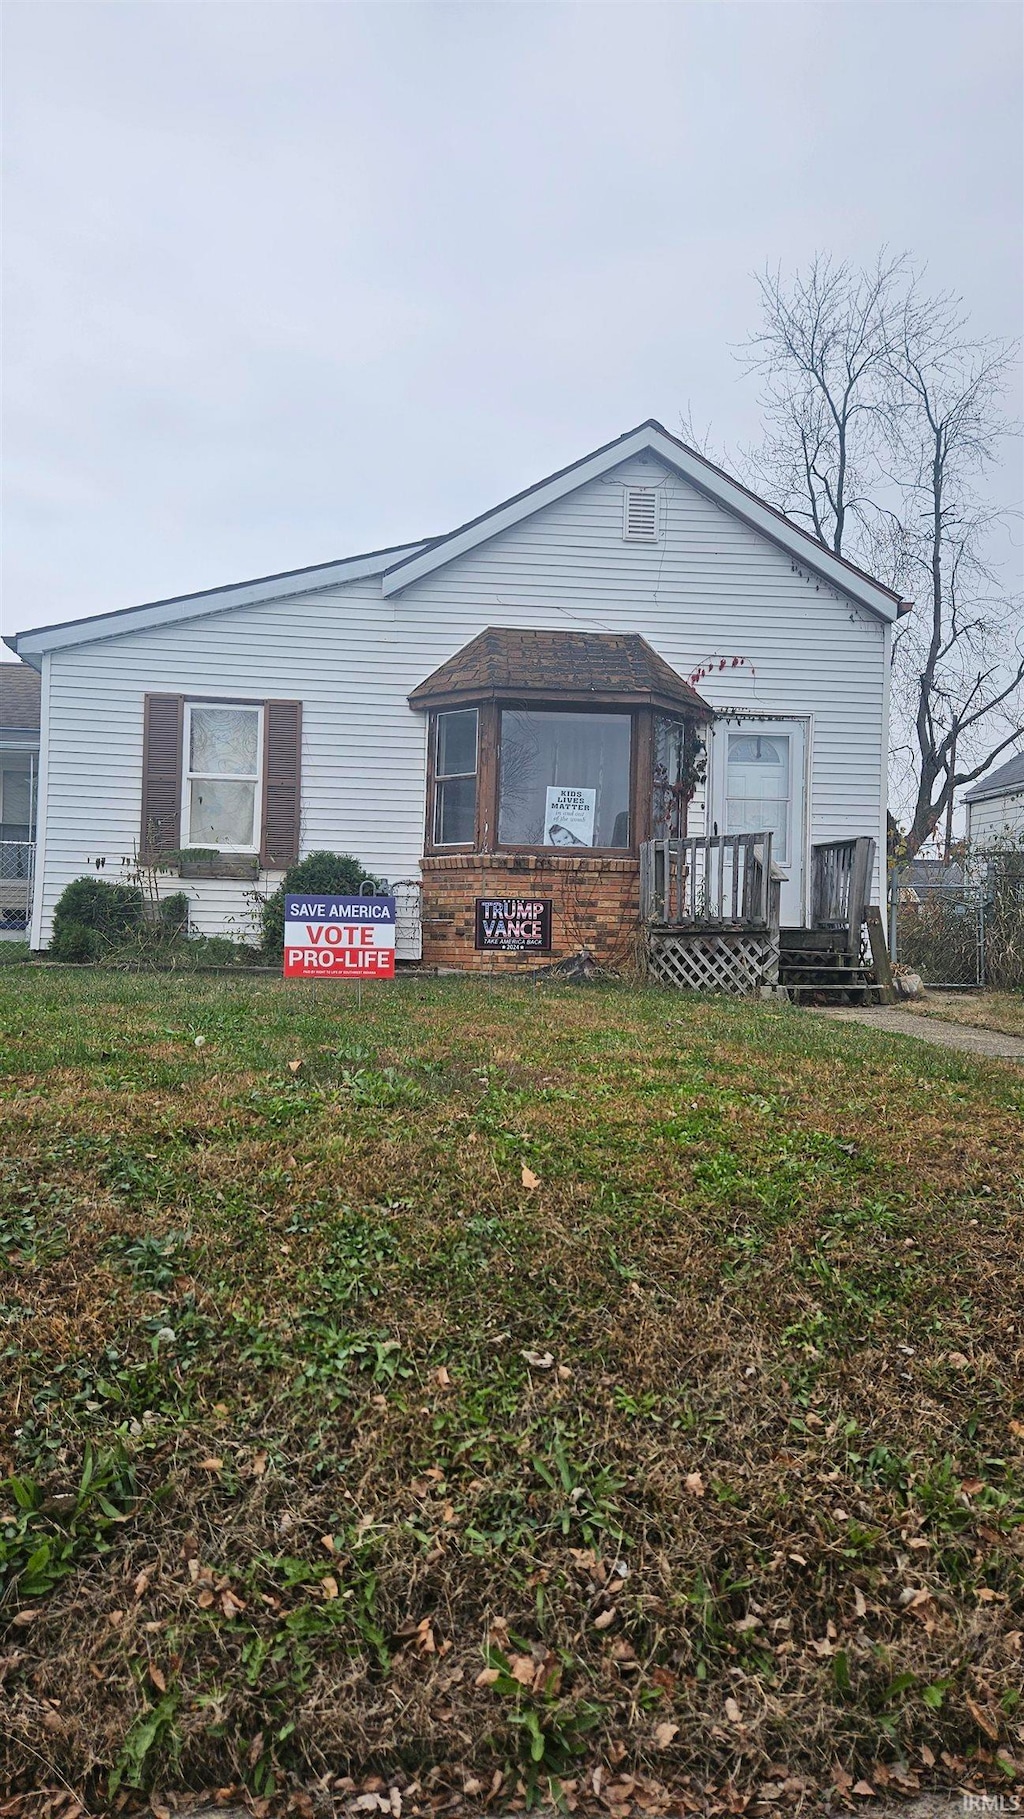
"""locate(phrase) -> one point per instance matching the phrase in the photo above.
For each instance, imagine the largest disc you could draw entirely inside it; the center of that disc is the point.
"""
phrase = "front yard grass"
(477, 1387)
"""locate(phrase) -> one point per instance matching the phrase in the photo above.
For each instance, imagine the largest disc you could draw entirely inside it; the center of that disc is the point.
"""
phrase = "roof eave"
(39, 639)
(693, 707)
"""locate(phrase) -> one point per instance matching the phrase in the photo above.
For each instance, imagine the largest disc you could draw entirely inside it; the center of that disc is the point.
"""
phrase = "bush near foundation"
(322, 874)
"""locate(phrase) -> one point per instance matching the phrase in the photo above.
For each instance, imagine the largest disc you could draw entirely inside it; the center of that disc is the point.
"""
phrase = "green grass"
(315, 1411)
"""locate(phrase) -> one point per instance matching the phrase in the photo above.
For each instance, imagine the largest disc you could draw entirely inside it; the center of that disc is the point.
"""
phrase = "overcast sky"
(287, 281)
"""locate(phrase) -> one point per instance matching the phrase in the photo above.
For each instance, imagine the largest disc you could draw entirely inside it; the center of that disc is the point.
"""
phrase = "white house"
(417, 706)
(995, 806)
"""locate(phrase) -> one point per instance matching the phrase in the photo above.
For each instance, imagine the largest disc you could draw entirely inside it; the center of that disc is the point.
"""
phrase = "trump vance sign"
(339, 937)
(513, 925)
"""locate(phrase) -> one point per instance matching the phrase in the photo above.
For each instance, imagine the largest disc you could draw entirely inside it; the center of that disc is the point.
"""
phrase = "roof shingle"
(19, 697)
(505, 662)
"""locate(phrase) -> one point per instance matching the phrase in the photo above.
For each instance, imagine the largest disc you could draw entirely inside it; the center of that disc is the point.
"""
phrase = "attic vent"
(640, 514)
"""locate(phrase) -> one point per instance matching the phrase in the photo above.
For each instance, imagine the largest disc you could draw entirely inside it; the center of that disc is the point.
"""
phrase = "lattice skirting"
(735, 962)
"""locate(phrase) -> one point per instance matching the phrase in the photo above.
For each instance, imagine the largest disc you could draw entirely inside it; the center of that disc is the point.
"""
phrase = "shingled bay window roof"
(508, 664)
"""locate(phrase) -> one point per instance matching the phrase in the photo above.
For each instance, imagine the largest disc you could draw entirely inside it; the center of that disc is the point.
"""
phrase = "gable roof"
(506, 663)
(33, 644)
(653, 438)
(405, 563)
(1008, 778)
(19, 698)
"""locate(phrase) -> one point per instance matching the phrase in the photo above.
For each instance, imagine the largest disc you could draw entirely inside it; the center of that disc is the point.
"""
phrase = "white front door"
(757, 783)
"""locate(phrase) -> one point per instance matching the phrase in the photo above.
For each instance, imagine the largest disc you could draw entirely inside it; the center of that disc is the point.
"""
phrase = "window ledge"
(222, 865)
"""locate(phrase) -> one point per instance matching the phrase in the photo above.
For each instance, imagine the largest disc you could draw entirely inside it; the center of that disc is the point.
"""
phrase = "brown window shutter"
(163, 717)
(282, 771)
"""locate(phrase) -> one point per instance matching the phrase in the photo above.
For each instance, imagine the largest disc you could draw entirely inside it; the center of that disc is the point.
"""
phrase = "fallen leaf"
(211, 1465)
(859, 1602)
(971, 1486)
(441, 1377)
(694, 1484)
(864, 1789)
(927, 1756)
(541, 1361)
(524, 1669)
(259, 1464)
(529, 1178)
(329, 1587)
(983, 1720)
(157, 1677)
(27, 1616)
(141, 1585)
(294, 1066)
(204, 1600)
(327, 1541)
(747, 1623)
(957, 1361)
(732, 1712)
(230, 1605)
(114, 1618)
(603, 1619)
(664, 1734)
(487, 1676)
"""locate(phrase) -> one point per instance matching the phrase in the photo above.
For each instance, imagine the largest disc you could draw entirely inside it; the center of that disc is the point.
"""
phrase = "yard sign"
(339, 938)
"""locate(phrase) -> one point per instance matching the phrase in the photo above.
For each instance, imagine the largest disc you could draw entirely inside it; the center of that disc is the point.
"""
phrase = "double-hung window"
(455, 766)
(223, 748)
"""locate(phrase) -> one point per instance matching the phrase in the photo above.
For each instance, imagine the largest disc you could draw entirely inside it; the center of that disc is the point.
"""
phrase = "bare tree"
(882, 417)
(959, 659)
(823, 351)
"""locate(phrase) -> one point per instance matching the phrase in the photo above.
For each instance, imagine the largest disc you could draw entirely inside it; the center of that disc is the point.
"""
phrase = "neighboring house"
(464, 710)
(995, 806)
(923, 878)
(19, 762)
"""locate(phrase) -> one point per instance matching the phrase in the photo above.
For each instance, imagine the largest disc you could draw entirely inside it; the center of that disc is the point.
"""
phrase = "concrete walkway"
(990, 1045)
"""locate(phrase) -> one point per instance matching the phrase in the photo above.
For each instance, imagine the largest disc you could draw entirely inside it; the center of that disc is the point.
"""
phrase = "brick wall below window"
(595, 905)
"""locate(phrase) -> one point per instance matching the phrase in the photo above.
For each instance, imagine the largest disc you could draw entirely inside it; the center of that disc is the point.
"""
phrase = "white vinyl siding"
(998, 818)
(710, 589)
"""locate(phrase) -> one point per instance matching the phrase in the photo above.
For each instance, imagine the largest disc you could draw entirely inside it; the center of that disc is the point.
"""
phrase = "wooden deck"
(710, 908)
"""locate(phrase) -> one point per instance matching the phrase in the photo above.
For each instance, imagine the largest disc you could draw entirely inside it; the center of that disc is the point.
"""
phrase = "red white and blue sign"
(339, 937)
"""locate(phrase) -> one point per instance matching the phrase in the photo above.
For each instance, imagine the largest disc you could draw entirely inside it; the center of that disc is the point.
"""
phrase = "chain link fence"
(17, 861)
(969, 934)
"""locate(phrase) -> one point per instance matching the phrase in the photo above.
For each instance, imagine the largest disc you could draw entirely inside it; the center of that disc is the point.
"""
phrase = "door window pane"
(564, 779)
(758, 788)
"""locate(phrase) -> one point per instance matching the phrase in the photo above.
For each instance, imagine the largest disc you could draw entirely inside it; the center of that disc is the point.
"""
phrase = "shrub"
(321, 874)
(111, 911)
(76, 943)
(174, 915)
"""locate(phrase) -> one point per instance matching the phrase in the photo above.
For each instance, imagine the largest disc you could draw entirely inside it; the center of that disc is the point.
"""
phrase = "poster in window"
(513, 925)
(569, 816)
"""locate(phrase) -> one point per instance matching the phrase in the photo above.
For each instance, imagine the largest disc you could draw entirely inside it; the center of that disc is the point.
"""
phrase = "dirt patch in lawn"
(487, 1388)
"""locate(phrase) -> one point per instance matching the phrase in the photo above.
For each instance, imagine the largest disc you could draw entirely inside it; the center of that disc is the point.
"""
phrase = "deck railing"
(717, 881)
(840, 886)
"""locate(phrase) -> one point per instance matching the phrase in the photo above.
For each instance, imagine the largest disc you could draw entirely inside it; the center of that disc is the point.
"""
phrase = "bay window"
(541, 740)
